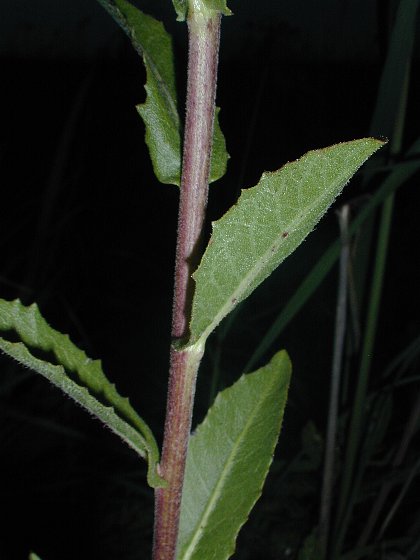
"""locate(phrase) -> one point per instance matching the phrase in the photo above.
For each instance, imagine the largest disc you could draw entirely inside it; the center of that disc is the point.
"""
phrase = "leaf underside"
(266, 225)
(160, 110)
(228, 459)
(77, 375)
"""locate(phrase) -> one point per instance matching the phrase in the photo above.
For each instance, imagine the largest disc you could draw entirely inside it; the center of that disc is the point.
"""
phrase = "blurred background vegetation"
(88, 233)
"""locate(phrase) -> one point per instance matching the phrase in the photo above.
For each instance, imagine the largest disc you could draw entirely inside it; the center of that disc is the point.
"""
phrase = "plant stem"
(347, 492)
(339, 338)
(204, 38)
(387, 487)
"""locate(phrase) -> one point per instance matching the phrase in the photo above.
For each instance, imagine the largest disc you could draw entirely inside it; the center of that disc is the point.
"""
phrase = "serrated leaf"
(399, 174)
(36, 335)
(267, 224)
(181, 7)
(228, 459)
(160, 111)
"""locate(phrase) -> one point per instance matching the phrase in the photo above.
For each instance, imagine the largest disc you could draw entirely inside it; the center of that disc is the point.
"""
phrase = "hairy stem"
(204, 37)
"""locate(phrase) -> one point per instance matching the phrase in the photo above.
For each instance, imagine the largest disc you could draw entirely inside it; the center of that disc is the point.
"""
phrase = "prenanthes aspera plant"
(206, 483)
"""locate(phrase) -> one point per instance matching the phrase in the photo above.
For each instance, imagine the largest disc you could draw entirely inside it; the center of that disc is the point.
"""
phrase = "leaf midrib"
(254, 271)
(133, 437)
(171, 102)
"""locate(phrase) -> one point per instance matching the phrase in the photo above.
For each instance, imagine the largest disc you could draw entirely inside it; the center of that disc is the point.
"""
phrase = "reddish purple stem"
(204, 38)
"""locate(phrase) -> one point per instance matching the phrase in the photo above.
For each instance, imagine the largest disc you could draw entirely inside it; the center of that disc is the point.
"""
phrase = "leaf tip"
(382, 139)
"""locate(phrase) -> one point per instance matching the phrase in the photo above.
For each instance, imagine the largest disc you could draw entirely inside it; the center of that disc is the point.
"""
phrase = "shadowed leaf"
(160, 110)
(117, 413)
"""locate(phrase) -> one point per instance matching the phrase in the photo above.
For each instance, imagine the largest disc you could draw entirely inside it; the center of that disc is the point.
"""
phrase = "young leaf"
(267, 224)
(181, 7)
(38, 337)
(160, 111)
(228, 459)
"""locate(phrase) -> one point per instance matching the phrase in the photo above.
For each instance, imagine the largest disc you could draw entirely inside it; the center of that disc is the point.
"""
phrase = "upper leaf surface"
(182, 6)
(37, 335)
(398, 175)
(228, 459)
(160, 111)
(267, 224)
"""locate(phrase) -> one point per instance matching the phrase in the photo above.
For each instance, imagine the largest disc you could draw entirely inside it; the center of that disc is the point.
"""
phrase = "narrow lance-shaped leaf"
(37, 336)
(267, 224)
(398, 175)
(228, 459)
(160, 111)
(181, 7)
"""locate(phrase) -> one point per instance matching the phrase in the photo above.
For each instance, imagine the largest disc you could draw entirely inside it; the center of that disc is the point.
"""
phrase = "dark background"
(88, 233)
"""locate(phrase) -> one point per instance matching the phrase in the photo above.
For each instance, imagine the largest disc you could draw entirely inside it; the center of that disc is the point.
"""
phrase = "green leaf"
(34, 556)
(181, 7)
(41, 345)
(219, 153)
(160, 111)
(228, 459)
(267, 224)
(399, 175)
